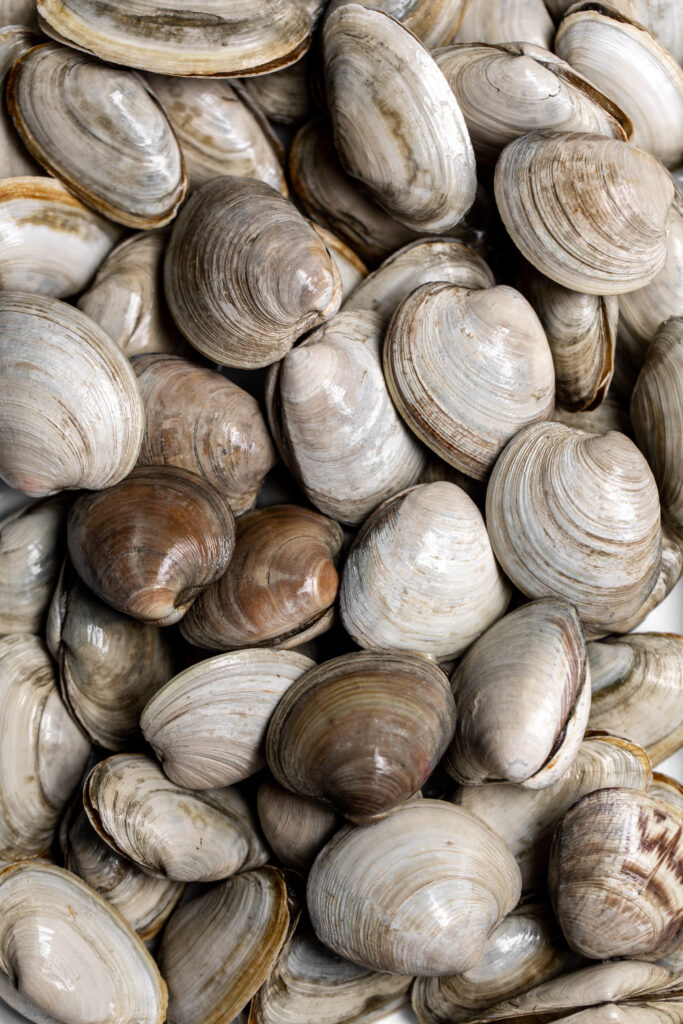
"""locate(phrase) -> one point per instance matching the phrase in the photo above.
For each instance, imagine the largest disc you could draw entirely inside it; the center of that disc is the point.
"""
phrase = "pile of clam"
(358, 451)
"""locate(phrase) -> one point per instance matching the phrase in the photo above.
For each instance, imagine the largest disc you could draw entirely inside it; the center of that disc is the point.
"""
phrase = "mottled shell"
(283, 96)
(296, 827)
(434, 22)
(245, 275)
(149, 545)
(576, 515)
(117, 153)
(351, 268)
(15, 39)
(31, 547)
(70, 411)
(503, 21)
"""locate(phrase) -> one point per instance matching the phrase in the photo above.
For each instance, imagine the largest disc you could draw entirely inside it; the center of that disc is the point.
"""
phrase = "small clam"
(117, 153)
(245, 275)
(363, 731)
(576, 515)
(467, 370)
(279, 588)
(199, 420)
(434, 22)
(503, 21)
(351, 268)
(283, 96)
(296, 827)
(421, 575)
(70, 410)
(18, 12)
(15, 39)
(31, 547)
(417, 892)
(208, 724)
(397, 124)
(168, 831)
(614, 877)
(151, 544)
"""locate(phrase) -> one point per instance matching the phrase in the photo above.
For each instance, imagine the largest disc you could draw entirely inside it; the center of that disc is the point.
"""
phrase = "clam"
(522, 698)
(220, 948)
(296, 827)
(18, 12)
(611, 414)
(417, 892)
(151, 544)
(283, 96)
(507, 90)
(144, 901)
(397, 125)
(590, 213)
(467, 370)
(109, 664)
(614, 876)
(66, 952)
(662, 17)
(434, 22)
(49, 242)
(31, 546)
(351, 268)
(245, 275)
(217, 132)
(280, 587)
(576, 515)
(637, 685)
(629, 66)
(42, 754)
(166, 830)
(208, 725)
(199, 420)
(525, 818)
(421, 575)
(70, 410)
(670, 569)
(503, 21)
(15, 39)
(663, 787)
(363, 731)
(117, 153)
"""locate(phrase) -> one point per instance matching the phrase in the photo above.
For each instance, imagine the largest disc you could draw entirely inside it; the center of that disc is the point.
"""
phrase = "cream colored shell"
(31, 547)
(434, 22)
(502, 21)
(664, 18)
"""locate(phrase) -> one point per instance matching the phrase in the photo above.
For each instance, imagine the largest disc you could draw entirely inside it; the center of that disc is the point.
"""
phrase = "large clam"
(502, 21)
(663, 18)
(296, 827)
(31, 547)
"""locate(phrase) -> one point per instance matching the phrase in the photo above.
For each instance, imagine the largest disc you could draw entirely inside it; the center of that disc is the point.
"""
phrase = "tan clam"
(231, 237)
(169, 831)
(421, 575)
(670, 569)
(208, 725)
(18, 12)
(31, 547)
(434, 22)
(199, 420)
(15, 39)
(295, 827)
(603, 232)
(70, 410)
(280, 587)
(283, 96)
(576, 515)
(468, 370)
(502, 21)
(413, 153)
(351, 268)
(662, 17)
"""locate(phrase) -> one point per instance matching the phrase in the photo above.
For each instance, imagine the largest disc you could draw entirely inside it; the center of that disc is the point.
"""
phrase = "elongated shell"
(69, 953)
(502, 21)
(296, 827)
(279, 588)
(199, 420)
(419, 869)
(208, 724)
(70, 410)
(421, 575)
(15, 39)
(434, 22)
(576, 515)
(467, 370)
(151, 544)
(31, 546)
(663, 18)
(283, 96)
(168, 831)
(245, 275)
(601, 230)
(351, 269)
(43, 752)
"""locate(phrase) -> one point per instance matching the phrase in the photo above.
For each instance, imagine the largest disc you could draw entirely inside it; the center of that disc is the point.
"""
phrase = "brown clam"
(296, 827)
(31, 547)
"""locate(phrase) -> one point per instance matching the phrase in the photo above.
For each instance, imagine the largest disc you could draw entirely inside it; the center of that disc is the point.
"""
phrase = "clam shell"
(663, 18)
(434, 22)
(283, 96)
(296, 827)
(31, 547)
(166, 830)
(15, 39)
(663, 787)
(18, 12)
(351, 268)
(670, 569)
(70, 410)
(151, 544)
(117, 154)
(208, 725)
(611, 414)
(245, 275)
(503, 21)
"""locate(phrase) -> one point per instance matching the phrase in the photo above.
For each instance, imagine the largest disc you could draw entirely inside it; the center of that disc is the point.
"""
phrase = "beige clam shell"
(670, 569)
(671, 792)
(351, 268)
(434, 22)
(296, 827)
(283, 96)
(31, 548)
(15, 39)
(664, 18)
(18, 12)
(502, 21)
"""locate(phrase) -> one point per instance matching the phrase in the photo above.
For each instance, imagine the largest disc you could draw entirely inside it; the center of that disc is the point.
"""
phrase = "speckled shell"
(434, 22)
(15, 39)
(503, 21)
(32, 542)
(351, 268)
(283, 96)
(296, 827)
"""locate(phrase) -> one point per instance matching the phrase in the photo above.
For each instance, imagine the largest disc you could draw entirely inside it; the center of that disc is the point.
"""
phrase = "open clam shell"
(31, 548)
(15, 39)
(503, 21)
(296, 827)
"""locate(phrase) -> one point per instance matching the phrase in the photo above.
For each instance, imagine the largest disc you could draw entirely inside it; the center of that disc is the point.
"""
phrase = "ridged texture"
(611, 414)
(15, 39)
(32, 542)
(246, 275)
(71, 416)
(670, 569)
(295, 827)
(502, 21)
(397, 124)
(663, 787)
(576, 515)
(434, 22)
(283, 96)
(351, 268)
(664, 18)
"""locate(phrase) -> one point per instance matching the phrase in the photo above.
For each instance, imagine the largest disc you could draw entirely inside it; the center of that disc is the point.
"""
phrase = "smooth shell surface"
(15, 39)
(502, 21)
(296, 827)
(31, 546)
(283, 96)
(18, 12)
(434, 22)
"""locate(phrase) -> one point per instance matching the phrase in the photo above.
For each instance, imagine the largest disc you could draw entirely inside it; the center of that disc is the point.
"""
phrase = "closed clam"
(166, 830)
(502, 21)
(296, 827)
(670, 570)
(283, 96)
(399, 894)
(663, 18)
(351, 268)
(576, 515)
(245, 275)
(434, 22)
(118, 154)
(208, 724)
(602, 230)
(15, 39)
(43, 752)
(18, 12)
(467, 370)
(199, 420)
(279, 588)
(151, 544)
(71, 414)
(421, 575)
(31, 547)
